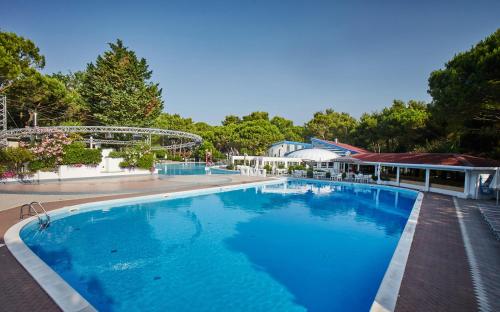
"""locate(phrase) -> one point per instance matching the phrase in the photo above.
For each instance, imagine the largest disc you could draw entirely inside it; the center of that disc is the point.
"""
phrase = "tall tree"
(466, 98)
(254, 137)
(288, 129)
(330, 124)
(19, 58)
(256, 116)
(398, 128)
(119, 91)
(231, 119)
(46, 96)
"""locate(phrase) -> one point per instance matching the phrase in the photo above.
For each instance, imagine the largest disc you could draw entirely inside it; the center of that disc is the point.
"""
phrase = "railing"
(41, 221)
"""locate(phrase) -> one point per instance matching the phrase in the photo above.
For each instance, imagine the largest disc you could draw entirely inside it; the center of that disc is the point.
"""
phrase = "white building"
(281, 148)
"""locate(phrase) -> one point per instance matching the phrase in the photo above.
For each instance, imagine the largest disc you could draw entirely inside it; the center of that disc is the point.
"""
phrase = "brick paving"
(437, 275)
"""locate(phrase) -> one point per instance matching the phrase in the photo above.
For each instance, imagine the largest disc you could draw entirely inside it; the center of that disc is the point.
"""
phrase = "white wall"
(281, 149)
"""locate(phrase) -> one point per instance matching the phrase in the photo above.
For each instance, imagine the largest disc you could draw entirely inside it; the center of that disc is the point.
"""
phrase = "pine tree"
(118, 89)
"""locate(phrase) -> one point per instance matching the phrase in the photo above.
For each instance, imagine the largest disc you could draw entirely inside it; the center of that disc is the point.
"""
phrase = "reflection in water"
(300, 253)
(286, 247)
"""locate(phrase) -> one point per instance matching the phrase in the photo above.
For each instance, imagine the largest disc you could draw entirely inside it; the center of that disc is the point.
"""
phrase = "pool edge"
(65, 296)
(68, 299)
(387, 294)
(62, 293)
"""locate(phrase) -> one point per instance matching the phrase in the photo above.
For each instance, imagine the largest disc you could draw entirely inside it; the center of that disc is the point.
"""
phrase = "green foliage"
(254, 137)
(466, 99)
(289, 131)
(161, 154)
(146, 161)
(116, 154)
(19, 57)
(207, 146)
(48, 164)
(174, 122)
(399, 128)
(330, 124)
(41, 93)
(296, 167)
(268, 168)
(14, 158)
(256, 116)
(76, 154)
(118, 89)
(231, 119)
(138, 156)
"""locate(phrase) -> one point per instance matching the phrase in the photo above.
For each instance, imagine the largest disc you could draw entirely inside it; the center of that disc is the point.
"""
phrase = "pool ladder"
(42, 215)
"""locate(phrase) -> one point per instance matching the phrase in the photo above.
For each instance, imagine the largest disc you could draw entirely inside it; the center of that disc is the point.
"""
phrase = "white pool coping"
(387, 294)
(68, 299)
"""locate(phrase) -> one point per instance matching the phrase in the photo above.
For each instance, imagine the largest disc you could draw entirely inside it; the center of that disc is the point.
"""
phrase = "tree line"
(116, 89)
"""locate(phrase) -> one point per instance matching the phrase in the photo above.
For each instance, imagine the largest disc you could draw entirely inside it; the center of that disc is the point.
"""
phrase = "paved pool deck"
(16, 194)
(438, 275)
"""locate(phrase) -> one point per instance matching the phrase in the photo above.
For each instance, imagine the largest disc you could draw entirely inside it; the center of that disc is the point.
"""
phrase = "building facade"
(281, 148)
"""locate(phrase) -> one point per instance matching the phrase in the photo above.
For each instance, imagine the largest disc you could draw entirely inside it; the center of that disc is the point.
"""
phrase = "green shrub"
(116, 154)
(230, 167)
(328, 175)
(14, 158)
(160, 154)
(76, 154)
(125, 164)
(48, 164)
(146, 161)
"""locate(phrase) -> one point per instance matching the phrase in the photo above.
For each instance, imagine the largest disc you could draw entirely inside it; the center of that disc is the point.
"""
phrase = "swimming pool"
(289, 246)
(190, 169)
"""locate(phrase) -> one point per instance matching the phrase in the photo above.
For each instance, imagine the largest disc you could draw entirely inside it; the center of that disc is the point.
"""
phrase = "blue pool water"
(189, 169)
(293, 246)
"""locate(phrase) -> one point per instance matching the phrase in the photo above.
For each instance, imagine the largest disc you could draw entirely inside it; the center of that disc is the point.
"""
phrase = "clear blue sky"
(292, 58)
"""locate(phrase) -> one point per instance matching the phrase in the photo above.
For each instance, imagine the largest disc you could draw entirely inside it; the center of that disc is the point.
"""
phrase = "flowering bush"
(138, 156)
(51, 149)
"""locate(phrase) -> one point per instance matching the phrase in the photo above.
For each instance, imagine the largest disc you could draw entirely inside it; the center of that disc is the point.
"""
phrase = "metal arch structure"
(19, 133)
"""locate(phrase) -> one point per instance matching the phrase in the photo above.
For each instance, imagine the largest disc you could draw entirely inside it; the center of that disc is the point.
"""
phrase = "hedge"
(77, 154)
(116, 154)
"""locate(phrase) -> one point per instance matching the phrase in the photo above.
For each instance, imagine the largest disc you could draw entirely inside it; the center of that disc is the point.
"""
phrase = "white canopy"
(314, 154)
(495, 182)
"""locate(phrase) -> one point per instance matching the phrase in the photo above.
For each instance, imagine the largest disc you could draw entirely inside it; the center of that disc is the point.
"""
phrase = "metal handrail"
(43, 224)
(44, 212)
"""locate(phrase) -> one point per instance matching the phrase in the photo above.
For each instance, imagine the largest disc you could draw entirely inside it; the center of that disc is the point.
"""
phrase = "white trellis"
(19, 133)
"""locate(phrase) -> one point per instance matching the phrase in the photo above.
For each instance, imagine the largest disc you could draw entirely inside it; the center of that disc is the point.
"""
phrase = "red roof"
(347, 146)
(428, 159)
